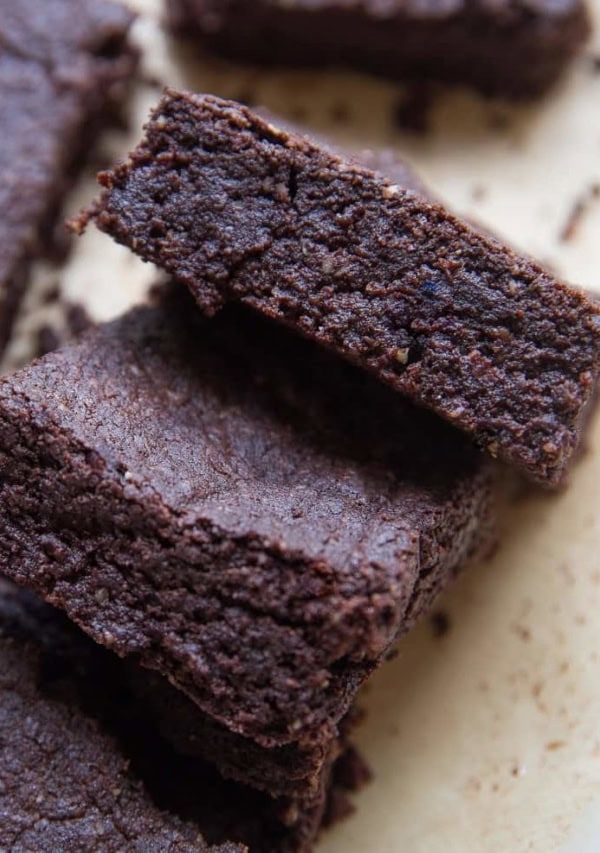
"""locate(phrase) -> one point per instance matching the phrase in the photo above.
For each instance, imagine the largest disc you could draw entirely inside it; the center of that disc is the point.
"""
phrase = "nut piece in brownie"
(64, 65)
(242, 210)
(83, 767)
(64, 782)
(234, 507)
(510, 47)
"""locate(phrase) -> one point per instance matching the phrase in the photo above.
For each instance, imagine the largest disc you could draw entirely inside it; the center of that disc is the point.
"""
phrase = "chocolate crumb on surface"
(440, 623)
(579, 209)
(78, 318)
(47, 339)
(414, 108)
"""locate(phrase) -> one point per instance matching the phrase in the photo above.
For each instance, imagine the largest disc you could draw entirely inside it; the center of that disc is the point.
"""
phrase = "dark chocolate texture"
(64, 65)
(516, 48)
(232, 506)
(64, 782)
(241, 210)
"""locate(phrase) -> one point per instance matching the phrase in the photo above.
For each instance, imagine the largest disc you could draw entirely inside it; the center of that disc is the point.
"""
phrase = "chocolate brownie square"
(232, 506)
(242, 210)
(510, 47)
(64, 65)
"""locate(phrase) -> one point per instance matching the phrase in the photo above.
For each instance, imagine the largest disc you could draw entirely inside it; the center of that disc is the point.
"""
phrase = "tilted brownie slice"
(64, 782)
(234, 507)
(240, 209)
(510, 47)
(64, 65)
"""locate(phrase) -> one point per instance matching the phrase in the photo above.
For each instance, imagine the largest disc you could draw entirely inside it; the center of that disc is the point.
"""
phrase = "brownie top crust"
(242, 210)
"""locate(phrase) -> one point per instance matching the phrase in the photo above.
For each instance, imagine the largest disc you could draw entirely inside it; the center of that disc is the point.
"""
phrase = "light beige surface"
(488, 739)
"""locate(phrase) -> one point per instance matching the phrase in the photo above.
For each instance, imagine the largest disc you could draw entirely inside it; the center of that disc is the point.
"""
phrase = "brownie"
(64, 783)
(517, 49)
(64, 65)
(232, 506)
(296, 773)
(241, 210)
(67, 707)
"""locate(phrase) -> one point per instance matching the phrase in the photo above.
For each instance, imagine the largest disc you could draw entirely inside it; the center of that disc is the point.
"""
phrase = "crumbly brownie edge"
(517, 383)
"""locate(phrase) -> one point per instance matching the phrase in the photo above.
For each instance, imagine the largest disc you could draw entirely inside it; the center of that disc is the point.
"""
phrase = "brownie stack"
(250, 489)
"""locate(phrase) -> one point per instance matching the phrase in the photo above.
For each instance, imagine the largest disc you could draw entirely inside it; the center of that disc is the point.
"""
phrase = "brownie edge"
(511, 48)
(242, 210)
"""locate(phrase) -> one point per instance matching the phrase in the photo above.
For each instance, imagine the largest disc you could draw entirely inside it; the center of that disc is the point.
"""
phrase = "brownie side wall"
(507, 50)
(239, 210)
(296, 771)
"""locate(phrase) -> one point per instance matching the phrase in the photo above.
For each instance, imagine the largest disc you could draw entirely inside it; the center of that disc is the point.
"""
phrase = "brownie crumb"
(351, 772)
(338, 808)
(78, 319)
(340, 113)
(440, 624)
(413, 111)
(578, 211)
(151, 80)
(47, 340)
(52, 295)
(479, 192)
(157, 292)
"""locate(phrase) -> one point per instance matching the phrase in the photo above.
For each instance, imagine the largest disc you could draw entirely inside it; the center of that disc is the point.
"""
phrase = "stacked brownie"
(241, 210)
(251, 488)
(83, 767)
(513, 48)
(64, 66)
